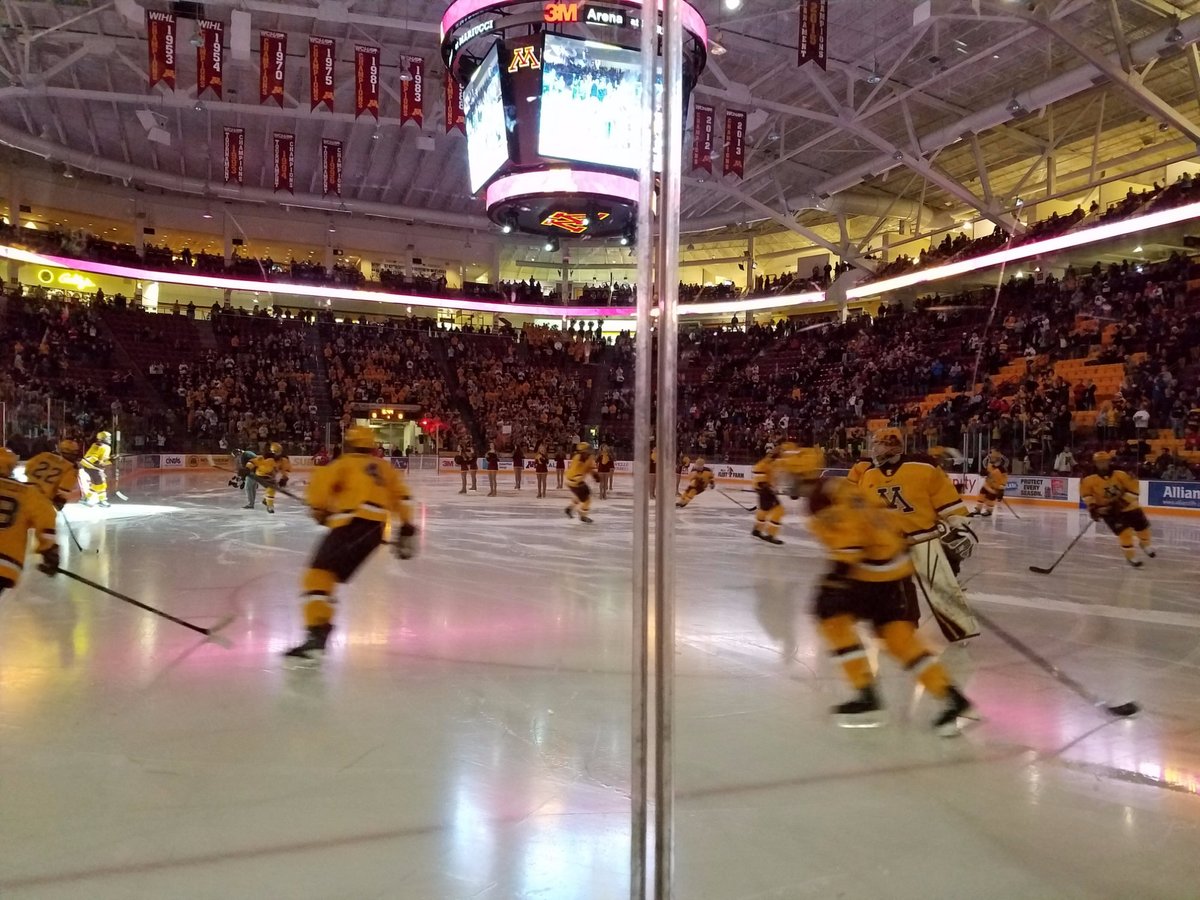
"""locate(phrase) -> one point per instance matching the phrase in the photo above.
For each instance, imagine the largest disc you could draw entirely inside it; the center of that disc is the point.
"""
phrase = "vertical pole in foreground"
(641, 740)
(667, 275)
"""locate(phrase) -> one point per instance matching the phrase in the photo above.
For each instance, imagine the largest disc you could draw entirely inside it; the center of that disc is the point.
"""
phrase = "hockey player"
(605, 464)
(541, 469)
(242, 479)
(355, 497)
(466, 465)
(23, 508)
(936, 524)
(867, 549)
(995, 468)
(582, 465)
(858, 470)
(1111, 496)
(272, 470)
(93, 464)
(56, 473)
(699, 482)
(767, 472)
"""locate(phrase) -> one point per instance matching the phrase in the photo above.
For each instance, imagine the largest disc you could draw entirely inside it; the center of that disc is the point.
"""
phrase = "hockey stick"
(71, 532)
(734, 501)
(265, 482)
(207, 632)
(1119, 710)
(1075, 540)
(1008, 506)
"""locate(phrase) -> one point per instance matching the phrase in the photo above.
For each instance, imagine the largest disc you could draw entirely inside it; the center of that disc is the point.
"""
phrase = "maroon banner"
(366, 80)
(455, 116)
(412, 90)
(160, 37)
(235, 155)
(272, 63)
(209, 57)
(285, 161)
(814, 32)
(320, 68)
(735, 143)
(703, 123)
(331, 168)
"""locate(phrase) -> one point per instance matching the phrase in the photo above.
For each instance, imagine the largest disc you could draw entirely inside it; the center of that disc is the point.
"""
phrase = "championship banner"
(160, 38)
(208, 57)
(366, 80)
(412, 91)
(735, 143)
(285, 161)
(331, 168)
(235, 155)
(320, 69)
(703, 120)
(814, 32)
(455, 116)
(272, 62)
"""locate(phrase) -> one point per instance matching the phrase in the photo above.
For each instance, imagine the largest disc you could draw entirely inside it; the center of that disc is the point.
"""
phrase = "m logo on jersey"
(894, 499)
(523, 58)
(575, 223)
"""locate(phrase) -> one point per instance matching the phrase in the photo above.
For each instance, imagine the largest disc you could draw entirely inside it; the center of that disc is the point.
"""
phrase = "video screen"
(487, 137)
(591, 104)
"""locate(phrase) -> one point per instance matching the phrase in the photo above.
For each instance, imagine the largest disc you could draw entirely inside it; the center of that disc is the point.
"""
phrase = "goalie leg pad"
(943, 593)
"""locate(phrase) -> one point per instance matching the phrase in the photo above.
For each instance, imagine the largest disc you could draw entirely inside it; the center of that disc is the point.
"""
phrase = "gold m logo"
(575, 223)
(523, 58)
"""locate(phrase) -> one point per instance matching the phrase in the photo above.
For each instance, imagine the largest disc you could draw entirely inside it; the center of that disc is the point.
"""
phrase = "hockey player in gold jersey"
(355, 497)
(56, 473)
(869, 568)
(1111, 496)
(23, 508)
(582, 465)
(93, 464)
(935, 522)
(995, 468)
(272, 470)
(772, 471)
(700, 480)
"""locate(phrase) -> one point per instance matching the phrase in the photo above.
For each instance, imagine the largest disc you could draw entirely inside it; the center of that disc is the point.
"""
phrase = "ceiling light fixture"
(1014, 106)
(733, 4)
(1175, 35)
(551, 245)
(875, 77)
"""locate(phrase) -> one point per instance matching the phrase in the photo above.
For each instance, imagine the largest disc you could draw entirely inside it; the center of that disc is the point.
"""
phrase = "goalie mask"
(886, 445)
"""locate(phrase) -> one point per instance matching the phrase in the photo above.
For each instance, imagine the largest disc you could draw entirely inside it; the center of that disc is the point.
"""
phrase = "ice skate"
(861, 712)
(570, 512)
(586, 520)
(1149, 551)
(956, 706)
(313, 647)
(1136, 563)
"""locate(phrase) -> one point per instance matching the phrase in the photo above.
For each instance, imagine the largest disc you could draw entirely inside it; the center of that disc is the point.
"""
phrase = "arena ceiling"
(947, 108)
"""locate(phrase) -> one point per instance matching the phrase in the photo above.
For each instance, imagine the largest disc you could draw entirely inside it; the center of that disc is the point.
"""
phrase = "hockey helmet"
(104, 437)
(69, 449)
(1102, 458)
(583, 447)
(886, 444)
(8, 462)
(277, 449)
(946, 457)
(807, 463)
(358, 437)
(698, 462)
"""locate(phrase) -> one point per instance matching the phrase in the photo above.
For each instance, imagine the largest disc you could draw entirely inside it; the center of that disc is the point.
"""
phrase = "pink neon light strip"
(689, 16)
(1026, 251)
(561, 181)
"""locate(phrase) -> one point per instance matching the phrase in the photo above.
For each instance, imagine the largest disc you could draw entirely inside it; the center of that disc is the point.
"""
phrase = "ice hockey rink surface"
(468, 736)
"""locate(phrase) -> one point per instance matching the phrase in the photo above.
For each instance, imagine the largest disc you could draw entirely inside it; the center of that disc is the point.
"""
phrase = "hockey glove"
(960, 541)
(1096, 512)
(283, 481)
(49, 563)
(405, 546)
(836, 579)
(59, 503)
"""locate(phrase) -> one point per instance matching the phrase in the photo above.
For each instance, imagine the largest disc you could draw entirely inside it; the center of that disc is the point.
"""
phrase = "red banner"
(160, 37)
(412, 90)
(209, 57)
(235, 155)
(320, 68)
(455, 116)
(331, 168)
(272, 62)
(814, 32)
(703, 124)
(735, 143)
(366, 80)
(285, 161)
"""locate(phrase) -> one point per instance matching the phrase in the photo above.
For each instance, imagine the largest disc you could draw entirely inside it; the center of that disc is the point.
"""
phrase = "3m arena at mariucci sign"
(1174, 494)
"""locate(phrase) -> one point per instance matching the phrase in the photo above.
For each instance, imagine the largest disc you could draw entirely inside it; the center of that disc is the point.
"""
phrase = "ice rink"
(468, 737)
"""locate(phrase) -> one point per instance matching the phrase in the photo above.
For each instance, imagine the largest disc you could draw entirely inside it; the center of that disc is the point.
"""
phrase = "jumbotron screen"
(591, 104)
(483, 106)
